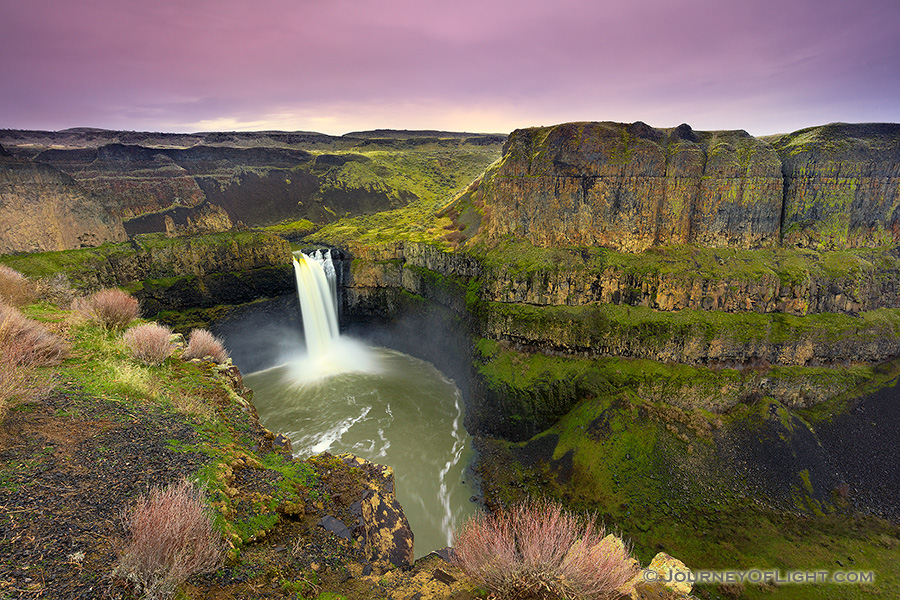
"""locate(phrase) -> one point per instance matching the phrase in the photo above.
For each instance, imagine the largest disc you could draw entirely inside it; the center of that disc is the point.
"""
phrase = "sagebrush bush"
(20, 380)
(149, 343)
(41, 347)
(541, 550)
(15, 288)
(111, 307)
(25, 345)
(202, 343)
(171, 538)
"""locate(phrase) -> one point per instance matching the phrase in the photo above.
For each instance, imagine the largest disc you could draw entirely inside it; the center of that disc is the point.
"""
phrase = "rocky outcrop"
(43, 209)
(385, 532)
(632, 187)
(179, 273)
(842, 185)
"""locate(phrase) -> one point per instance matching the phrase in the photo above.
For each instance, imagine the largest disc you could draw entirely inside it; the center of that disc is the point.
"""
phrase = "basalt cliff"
(632, 187)
(679, 329)
(711, 249)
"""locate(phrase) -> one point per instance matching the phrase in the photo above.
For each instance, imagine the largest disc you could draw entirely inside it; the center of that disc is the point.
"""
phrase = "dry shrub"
(20, 380)
(202, 343)
(111, 307)
(41, 347)
(25, 345)
(15, 288)
(56, 290)
(540, 550)
(171, 538)
(149, 343)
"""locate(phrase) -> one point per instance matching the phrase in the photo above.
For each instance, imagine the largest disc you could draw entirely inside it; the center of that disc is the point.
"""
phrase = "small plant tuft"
(202, 343)
(539, 550)
(149, 343)
(15, 288)
(111, 307)
(171, 538)
(25, 345)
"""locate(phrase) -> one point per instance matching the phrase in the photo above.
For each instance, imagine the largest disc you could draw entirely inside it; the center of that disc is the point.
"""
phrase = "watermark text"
(760, 576)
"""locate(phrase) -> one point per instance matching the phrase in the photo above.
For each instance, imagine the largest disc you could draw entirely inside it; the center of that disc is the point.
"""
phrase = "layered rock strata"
(632, 187)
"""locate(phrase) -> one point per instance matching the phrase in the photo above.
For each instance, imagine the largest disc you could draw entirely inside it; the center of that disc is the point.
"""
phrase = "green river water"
(391, 409)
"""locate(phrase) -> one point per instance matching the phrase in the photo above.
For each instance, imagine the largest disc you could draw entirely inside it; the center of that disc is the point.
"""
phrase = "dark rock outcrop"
(842, 185)
(631, 187)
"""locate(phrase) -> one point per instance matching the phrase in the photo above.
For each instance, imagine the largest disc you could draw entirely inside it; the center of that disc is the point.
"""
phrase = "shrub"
(39, 346)
(112, 308)
(25, 345)
(540, 550)
(171, 538)
(56, 290)
(202, 343)
(149, 343)
(15, 288)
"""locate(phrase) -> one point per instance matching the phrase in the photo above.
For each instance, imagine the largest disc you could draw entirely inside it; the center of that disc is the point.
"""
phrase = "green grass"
(101, 368)
(424, 180)
(789, 266)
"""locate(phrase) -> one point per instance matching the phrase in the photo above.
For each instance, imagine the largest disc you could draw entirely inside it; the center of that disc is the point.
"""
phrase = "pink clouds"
(763, 66)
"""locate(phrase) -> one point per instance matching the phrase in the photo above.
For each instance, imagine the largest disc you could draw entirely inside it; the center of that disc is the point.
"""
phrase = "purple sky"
(767, 66)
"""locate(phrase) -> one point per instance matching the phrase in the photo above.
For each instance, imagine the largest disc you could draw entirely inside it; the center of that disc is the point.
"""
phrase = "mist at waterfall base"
(339, 395)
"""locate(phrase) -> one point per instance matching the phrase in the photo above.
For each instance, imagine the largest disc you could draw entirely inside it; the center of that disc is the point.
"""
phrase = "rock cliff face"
(797, 325)
(842, 185)
(176, 273)
(631, 187)
(42, 209)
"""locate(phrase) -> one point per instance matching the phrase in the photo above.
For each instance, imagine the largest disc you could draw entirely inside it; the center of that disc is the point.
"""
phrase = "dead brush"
(39, 347)
(149, 343)
(112, 308)
(15, 288)
(171, 538)
(25, 345)
(202, 343)
(540, 550)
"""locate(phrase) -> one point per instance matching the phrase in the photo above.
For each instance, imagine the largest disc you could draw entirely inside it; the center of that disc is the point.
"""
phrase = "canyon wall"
(632, 187)
(42, 208)
(174, 273)
(683, 326)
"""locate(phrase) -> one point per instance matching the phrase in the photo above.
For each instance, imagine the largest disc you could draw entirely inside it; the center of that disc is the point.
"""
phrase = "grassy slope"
(431, 174)
(648, 468)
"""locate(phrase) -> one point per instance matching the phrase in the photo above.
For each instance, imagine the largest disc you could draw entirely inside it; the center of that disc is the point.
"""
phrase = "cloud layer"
(340, 65)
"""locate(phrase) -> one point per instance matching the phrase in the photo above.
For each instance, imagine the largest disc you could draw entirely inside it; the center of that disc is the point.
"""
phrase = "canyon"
(662, 325)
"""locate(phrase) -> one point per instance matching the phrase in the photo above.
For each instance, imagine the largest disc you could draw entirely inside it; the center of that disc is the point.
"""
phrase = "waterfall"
(317, 290)
(327, 353)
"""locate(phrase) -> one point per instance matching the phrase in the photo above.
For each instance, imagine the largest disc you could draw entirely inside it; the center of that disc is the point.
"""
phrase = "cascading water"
(382, 405)
(327, 353)
(318, 301)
